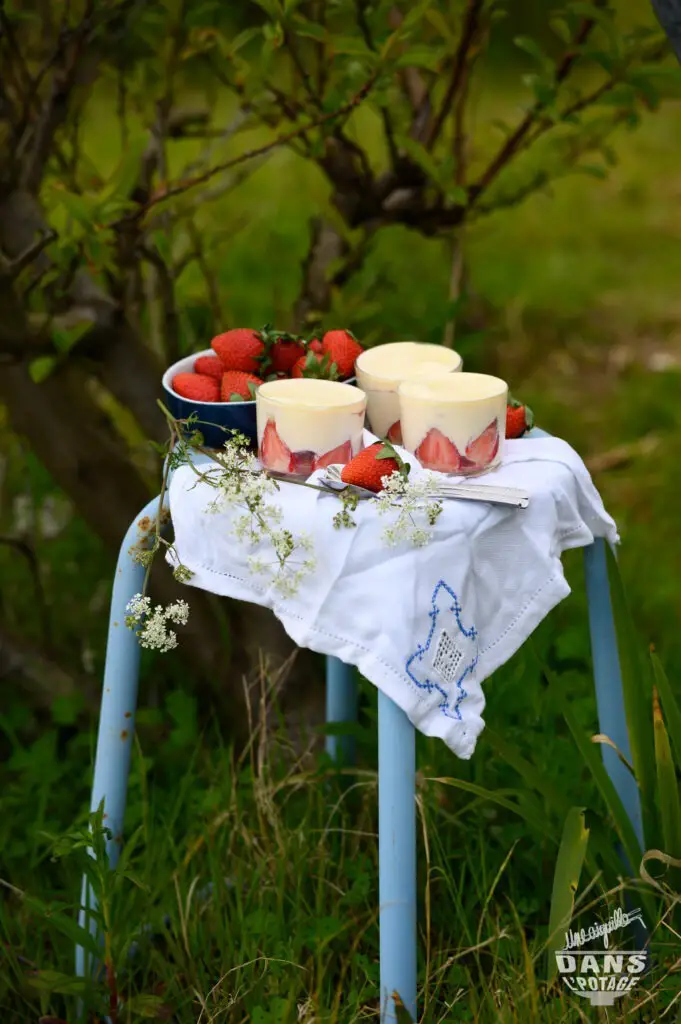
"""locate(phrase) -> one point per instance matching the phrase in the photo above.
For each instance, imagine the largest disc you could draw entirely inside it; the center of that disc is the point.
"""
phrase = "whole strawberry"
(369, 467)
(281, 351)
(237, 386)
(239, 349)
(519, 419)
(343, 348)
(316, 366)
(196, 386)
(211, 366)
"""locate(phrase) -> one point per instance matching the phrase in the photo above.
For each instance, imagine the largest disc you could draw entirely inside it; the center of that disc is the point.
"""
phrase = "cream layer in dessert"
(381, 370)
(304, 425)
(454, 423)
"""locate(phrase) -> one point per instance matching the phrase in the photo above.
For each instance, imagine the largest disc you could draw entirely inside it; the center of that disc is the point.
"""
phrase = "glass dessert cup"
(455, 423)
(304, 425)
(381, 370)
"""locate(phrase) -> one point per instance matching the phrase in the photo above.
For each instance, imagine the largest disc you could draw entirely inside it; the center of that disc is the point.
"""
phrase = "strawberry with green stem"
(519, 419)
(372, 464)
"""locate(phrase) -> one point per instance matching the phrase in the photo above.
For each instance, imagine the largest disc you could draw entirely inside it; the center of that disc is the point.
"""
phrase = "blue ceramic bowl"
(218, 419)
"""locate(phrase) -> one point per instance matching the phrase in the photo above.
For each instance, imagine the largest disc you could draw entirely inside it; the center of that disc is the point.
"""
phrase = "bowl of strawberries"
(218, 385)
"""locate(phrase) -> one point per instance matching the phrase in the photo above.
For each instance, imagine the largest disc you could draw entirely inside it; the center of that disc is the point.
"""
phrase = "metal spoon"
(491, 493)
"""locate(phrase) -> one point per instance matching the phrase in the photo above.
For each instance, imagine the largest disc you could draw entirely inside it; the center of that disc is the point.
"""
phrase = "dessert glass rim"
(425, 346)
(356, 399)
(450, 388)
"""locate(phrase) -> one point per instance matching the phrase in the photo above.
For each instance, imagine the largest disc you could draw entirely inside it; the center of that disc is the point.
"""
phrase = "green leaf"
(534, 49)
(353, 46)
(420, 155)
(561, 28)
(310, 29)
(526, 809)
(161, 241)
(41, 368)
(671, 709)
(441, 25)
(145, 1005)
(125, 177)
(637, 693)
(667, 785)
(456, 194)
(64, 339)
(594, 170)
(243, 39)
(594, 763)
(56, 982)
(428, 57)
(571, 854)
(64, 924)
(80, 208)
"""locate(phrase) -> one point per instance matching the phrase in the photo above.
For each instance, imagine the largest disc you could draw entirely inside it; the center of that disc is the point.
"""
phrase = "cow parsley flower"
(417, 508)
(244, 491)
(151, 624)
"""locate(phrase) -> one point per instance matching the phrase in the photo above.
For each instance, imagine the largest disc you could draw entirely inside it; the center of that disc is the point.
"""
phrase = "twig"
(469, 31)
(10, 269)
(623, 454)
(515, 139)
(183, 186)
(363, 25)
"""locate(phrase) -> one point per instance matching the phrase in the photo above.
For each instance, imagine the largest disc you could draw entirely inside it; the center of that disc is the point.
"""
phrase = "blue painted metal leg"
(608, 681)
(397, 857)
(341, 706)
(117, 715)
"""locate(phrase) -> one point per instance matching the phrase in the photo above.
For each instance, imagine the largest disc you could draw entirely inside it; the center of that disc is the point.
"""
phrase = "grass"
(248, 891)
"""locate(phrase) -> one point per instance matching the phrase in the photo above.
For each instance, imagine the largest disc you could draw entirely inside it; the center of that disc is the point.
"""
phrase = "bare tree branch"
(516, 138)
(183, 186)
(469, 32)
(10, 269)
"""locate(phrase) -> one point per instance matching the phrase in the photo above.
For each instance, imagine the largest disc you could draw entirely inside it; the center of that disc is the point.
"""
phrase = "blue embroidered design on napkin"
(449, 654)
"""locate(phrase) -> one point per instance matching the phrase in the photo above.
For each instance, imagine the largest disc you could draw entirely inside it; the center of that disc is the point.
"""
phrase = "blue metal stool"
(396, 758)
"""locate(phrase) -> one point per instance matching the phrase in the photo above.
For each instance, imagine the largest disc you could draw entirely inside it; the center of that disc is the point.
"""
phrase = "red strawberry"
(302, 463)
(236, 382)
(196, 386)
(239, 349)
(274, 454)
(316, 366)
(519, 419)
(285, 354)
(339, 456)
(343, 349)
(484, 448)
(395, 433)
(315, 346)
(437, 452)
(211, 366)
(367, 469)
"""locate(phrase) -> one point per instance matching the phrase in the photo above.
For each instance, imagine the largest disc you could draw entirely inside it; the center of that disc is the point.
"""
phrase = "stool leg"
(608, 681)
(341, 706)
(397, 857)
(117, 715)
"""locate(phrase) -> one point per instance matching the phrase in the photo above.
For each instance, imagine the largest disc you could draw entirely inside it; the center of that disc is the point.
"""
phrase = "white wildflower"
(244, 492)
(152, 624)
(413, 501)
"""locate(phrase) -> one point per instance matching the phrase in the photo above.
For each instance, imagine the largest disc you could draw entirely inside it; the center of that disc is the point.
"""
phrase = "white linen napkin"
(426, 625)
